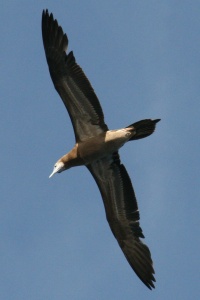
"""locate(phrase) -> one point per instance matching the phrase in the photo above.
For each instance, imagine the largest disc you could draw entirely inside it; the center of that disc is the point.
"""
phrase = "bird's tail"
(143, 128)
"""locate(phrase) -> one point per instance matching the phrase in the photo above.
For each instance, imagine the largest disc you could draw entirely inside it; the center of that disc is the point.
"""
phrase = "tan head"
(71, 159)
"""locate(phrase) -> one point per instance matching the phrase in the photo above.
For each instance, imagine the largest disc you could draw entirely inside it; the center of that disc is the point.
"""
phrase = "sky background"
(142, 58)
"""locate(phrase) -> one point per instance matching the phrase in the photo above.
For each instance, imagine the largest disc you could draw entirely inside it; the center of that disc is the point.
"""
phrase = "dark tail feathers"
(143, 128)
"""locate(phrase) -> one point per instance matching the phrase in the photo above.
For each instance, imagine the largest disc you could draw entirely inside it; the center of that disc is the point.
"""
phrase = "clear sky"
(143, 60)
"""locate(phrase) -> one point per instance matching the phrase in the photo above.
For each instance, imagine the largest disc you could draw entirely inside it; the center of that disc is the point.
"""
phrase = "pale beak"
(59, 167)
(54, 171)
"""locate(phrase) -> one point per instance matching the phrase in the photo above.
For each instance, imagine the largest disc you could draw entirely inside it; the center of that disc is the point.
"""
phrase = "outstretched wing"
(71, 83)
(123, 215)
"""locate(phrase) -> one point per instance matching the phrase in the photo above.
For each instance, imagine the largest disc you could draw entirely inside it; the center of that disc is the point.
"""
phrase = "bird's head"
(58, 168)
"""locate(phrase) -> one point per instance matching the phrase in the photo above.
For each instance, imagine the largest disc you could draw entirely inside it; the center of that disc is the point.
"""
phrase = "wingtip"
(45, 12)
(156, 120)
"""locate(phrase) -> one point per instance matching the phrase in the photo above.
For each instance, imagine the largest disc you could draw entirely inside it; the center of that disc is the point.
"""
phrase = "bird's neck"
(72, 158)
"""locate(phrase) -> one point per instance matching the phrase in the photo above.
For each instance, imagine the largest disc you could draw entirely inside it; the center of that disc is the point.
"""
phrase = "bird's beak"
(54, 171)
(58, 168)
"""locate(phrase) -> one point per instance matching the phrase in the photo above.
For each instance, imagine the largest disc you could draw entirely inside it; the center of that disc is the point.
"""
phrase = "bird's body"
(97, 148)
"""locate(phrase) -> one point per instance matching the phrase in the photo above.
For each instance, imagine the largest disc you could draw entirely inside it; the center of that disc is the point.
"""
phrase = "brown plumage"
(97, 148)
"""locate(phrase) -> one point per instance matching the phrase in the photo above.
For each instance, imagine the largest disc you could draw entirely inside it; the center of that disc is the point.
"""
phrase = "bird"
(97, 148)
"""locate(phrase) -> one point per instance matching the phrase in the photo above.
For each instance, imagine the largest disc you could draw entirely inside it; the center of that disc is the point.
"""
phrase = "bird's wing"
(123, 215)
(71, 83)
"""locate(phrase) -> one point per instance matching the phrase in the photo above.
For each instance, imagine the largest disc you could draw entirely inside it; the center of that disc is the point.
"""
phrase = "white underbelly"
(118, 136)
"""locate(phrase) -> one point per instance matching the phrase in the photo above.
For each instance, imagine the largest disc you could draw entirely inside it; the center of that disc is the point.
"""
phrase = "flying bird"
(97, 147)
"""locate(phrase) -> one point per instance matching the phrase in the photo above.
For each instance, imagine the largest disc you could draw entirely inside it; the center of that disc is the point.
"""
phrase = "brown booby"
(97, 148)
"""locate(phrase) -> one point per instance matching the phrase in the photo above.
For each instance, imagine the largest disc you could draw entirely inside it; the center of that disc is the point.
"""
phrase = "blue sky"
(142, 58)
